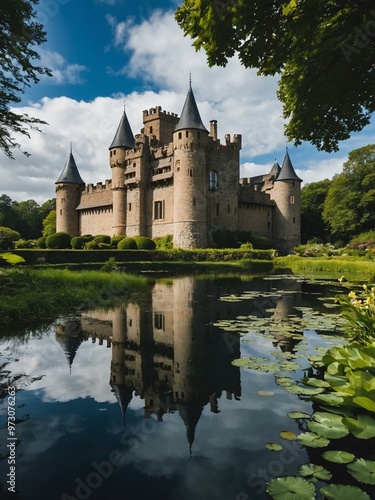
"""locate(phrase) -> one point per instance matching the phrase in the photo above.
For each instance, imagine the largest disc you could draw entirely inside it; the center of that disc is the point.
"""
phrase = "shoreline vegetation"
(40, 291)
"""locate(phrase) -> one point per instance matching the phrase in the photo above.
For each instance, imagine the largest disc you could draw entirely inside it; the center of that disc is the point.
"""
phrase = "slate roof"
(70, 172)
(190, 117)
(247, 194)
(287, 172)
(124, 136)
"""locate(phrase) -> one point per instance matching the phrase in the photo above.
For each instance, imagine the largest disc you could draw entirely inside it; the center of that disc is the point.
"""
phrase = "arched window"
(213, 180)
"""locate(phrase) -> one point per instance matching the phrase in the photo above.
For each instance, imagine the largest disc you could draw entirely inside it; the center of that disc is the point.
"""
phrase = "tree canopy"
(313, 196)
(349, 207)
(19, 34)
(323, 50)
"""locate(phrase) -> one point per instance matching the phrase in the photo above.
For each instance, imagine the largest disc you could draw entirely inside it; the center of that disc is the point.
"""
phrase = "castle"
(176, 178)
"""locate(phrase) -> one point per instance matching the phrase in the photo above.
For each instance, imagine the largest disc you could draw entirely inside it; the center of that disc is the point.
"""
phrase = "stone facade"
(177, 178)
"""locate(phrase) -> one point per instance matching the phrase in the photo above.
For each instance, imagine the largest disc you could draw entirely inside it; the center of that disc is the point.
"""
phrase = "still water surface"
(143, 401)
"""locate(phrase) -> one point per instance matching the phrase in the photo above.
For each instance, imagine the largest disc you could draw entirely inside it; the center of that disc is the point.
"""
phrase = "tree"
(7, 237)
(324, 52)
(349, 207)
(49, 224)
(313, 196)
(19, 33)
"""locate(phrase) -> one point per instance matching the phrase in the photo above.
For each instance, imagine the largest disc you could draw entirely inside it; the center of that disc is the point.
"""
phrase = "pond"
(147, 401)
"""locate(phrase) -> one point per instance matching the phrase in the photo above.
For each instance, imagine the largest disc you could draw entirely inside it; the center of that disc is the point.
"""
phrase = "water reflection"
(172, 367)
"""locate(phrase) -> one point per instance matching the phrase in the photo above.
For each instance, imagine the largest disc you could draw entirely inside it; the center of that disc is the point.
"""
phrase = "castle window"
(60, 212)
(213, 180)
(199, 135)
(158, 210)
(151, 129)
(292, 200)
(180, 135)
(134, 164)
(159, 321)
(294, 220)
(217, 209)
(129, 207)
(191, 173)
(194, 202)
(187, 133)
(114, 152)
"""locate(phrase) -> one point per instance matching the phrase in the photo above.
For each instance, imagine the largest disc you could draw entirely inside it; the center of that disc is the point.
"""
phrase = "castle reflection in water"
(166, 349)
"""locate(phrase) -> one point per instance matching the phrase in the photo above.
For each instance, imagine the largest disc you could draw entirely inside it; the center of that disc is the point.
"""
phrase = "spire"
(123, 395)
(190, 414)
(190, 117)
(70, 171)
(275, 170)
(124, 136)
(287, 172)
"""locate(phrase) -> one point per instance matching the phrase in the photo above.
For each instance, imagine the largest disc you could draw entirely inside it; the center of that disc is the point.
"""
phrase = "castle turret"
(69, 187)
(190, 177)
(123, 141)
(286, 193)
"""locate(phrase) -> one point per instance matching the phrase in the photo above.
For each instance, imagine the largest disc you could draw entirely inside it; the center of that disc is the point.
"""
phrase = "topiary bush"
(261, 243)
(91, 245)
(87, 237)
(25, 243)
(115, 240)
(127, 244)
(41, 242)
(105, 246)
(164, 242)
(77, 242)
(102, 238)
(58, 240)
(144, 243)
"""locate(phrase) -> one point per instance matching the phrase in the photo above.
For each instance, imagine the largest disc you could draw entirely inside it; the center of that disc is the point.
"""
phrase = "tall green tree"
(49, 224)
(349, 208)
(313, 225)
(323, 50)
(20, 33)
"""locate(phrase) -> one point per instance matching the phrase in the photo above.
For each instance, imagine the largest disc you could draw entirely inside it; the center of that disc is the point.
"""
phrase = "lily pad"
(316, 471)
(362, 427)
(363, 470)
(298, 414)
(338, 457)
(328, 425)
(315, 382)
(284, 488)
(289, 435)
(312, 440)
(285, 381)
(343, 492)
(274, 446)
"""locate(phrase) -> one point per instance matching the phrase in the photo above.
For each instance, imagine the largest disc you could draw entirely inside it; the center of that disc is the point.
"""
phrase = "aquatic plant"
(359, 311)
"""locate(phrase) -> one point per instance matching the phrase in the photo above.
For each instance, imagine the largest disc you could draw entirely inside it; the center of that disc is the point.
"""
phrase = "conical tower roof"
(124, 137)
(190, 414)
(287, 172)
(124, 395)
(70, 171)
(275, 170)
(190, 117)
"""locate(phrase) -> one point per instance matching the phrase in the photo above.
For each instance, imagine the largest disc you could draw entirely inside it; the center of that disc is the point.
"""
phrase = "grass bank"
(352, 269)
(29, 296)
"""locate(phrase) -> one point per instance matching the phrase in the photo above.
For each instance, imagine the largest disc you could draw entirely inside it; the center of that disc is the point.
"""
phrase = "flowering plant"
(359, 310)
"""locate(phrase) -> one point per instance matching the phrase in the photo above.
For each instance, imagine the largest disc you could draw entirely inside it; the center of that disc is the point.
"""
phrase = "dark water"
(143, 402)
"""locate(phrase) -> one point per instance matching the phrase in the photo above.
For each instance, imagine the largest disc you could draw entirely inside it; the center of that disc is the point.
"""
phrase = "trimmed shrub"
(261, 243)
(77, 242)
(25, 244)
(102, 238)
(41, 242)
(115, 240)
(164, 242)
(58, 240)
(224, 238)
(87, 237)
(105, 246)
(144, 243)
(92, 245)
(127, 244)
(7, 238)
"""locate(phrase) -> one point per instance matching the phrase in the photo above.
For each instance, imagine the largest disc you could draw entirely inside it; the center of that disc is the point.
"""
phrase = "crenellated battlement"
(98, 187)
(157, 112)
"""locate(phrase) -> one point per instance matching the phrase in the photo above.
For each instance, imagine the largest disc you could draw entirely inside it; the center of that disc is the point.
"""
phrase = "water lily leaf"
(289, 435)
(313, 440)
(315, 382)
(274, 446)
(338, 457)
(364, 402)
(298, 414)
(332, 399)
(344, 412)
(363, 470)
(289, 366)
(343, 492)
(305, 391)
(362, 427)
(265, 393)
(284, 488)
(328, 425)
(285, 381)
(317, 471)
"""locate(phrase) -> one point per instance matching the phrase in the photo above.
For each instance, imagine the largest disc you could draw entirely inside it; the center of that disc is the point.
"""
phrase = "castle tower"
(190, 178)
(121, 144)
(286, 193)
(69, 187)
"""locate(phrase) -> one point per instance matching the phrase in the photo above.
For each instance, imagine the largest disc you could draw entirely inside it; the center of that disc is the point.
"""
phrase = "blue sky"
(106, 52)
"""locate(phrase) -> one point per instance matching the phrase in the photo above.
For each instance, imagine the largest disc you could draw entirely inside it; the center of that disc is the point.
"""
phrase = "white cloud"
(62, 72)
